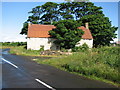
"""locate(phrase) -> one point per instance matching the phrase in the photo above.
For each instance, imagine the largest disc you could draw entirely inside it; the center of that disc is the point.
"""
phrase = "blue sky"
(15, 13)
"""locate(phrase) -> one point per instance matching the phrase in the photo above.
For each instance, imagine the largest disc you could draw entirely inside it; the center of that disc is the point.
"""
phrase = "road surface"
(23, 72)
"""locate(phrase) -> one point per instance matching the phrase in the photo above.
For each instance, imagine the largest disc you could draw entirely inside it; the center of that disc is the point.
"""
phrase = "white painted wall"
(36, 43)
(89, 42)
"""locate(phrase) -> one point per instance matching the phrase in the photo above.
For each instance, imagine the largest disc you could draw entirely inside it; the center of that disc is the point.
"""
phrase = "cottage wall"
(47, 43)
(37, 43)
(89, 42)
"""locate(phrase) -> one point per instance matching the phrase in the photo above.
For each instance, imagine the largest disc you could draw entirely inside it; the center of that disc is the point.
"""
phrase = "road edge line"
(48, 86)
(9, 63)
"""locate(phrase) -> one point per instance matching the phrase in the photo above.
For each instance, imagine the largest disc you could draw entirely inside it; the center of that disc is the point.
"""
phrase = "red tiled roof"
(41, 31)
(87, 34)
(38, 30)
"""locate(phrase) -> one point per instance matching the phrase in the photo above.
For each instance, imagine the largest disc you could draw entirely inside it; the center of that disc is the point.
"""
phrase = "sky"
(14, 14)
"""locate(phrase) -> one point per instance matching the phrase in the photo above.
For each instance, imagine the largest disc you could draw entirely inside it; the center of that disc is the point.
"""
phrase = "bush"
(82, 48)
(64, 50)
(41, 48)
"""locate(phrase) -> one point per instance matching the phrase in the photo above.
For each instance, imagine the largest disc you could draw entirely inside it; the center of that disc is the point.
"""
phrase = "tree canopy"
(102, 30)
(50, 13)
(25, 28)
(66, 33)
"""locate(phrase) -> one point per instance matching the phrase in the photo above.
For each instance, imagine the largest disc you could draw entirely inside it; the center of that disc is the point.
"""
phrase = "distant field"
(11, 44)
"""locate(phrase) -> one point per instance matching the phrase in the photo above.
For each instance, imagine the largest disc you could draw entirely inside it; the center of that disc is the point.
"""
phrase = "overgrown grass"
(20, 50)
(102, 63)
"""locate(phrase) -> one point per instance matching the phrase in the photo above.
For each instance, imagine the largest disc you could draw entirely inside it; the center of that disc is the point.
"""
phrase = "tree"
(49, 13)
(63, 11)
(102, 30)
(24, 29)
(66, 11)
(81, 9)
(100, 26)
(45, 14)
(66, 33)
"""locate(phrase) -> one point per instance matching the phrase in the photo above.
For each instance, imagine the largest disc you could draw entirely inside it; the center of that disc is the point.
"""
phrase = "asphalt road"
(22, 72)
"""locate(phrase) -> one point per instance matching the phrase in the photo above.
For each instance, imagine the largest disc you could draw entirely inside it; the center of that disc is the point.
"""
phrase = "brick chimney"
(87, 25)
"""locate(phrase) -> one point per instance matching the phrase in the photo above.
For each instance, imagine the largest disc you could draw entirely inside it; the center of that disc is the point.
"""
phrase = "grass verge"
(20, 50)
(99, 64)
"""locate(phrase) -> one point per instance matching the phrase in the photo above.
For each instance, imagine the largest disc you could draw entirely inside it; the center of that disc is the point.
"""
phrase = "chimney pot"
(87, 25)
(29, 24)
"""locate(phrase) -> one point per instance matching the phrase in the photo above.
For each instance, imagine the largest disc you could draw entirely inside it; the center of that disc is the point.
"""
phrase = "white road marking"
(48, 86)
(9, 63)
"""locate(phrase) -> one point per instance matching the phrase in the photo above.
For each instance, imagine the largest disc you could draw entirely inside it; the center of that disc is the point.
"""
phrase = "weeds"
(100, 62)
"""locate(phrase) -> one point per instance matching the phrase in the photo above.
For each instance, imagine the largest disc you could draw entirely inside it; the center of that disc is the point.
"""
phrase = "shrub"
(82, 48)
(64, 50)
(41, 48)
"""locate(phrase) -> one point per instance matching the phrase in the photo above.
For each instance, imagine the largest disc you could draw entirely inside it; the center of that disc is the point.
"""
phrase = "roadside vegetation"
(22, 51)
(19, 48)
(98, 63)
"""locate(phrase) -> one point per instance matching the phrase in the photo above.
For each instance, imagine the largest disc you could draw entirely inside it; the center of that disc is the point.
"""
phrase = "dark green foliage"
(66, 33)
(102, 30)
(82, 48)
(49, 13)
(52, 13)
(65, 10)
(80, 9)
(24, 29)
(41, 48)
(45, 14)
